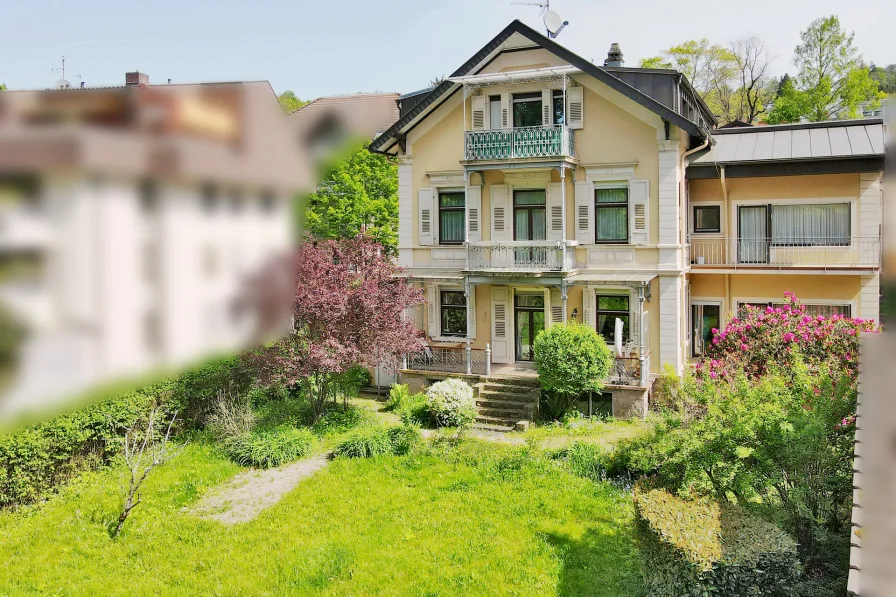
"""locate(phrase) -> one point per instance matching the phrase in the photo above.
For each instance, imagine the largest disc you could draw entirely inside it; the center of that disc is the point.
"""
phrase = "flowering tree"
(761, 337)
(348, 308)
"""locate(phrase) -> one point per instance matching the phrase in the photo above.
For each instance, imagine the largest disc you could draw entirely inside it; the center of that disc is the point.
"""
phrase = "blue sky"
(345, 46)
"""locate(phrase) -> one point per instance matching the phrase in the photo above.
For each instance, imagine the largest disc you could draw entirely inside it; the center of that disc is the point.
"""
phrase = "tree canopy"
(832, 81)
(359, 195)
(289, 102)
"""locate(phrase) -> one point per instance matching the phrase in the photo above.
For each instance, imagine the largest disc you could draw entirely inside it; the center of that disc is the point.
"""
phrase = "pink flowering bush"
(761, 338)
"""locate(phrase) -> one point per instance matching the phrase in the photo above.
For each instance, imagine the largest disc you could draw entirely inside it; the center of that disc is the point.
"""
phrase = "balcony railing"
(627, 371)
(554, 141)
(448, 360)
(521, 255)
(810, 252)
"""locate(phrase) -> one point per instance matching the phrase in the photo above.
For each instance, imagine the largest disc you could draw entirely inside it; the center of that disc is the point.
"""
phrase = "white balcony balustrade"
(554, 141)
(806, 252)
(521, 256)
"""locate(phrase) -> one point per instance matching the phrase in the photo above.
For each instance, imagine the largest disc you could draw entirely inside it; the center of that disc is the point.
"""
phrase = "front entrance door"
(752, 225)
(704, 319)
(528, 317)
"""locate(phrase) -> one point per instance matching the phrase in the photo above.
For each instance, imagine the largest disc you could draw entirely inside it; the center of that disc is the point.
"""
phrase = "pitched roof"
(817, 140)
(366, 114)
(519, 35)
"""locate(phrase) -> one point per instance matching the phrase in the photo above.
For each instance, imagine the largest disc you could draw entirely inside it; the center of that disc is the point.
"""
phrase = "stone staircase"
(503, 402)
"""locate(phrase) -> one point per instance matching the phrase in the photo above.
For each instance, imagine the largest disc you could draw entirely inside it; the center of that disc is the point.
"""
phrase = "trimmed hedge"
(36, 459)
(700, 548)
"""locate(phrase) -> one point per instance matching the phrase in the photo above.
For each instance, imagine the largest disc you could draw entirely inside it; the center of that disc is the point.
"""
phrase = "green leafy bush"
(355, 379)
(404, 439)
(451, 403)
(365, 442)
(571, 359)
(36, 459)
(338, 419)
(195, 392)
(398, 393)
(264, 449)
(414, 410)
(701, 547)
(586, 460)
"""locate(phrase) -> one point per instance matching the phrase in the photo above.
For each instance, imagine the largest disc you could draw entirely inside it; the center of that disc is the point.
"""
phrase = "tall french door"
(753, 234)
(528, 317)
(704, 318)
(530, 223)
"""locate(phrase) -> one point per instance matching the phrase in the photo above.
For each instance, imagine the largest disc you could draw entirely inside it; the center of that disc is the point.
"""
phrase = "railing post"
(404, 361)
(488, 360)
(468, 357)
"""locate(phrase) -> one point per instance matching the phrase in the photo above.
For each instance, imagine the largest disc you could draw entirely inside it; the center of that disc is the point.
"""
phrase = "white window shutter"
(427, 217)
(506, 116)
(588, 317)
(555, 211)
(474, 213)
(477, 104)
(500, 216)
(501, 325)
(575, 116)
(432, 310)
(556, 306)
(471, 300)
(584, 213)
(547, 107)
(639, 209)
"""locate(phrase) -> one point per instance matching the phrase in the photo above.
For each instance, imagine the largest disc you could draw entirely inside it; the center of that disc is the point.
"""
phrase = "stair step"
(508, 423)
(493, 427)
(493, 403)
(507, 412)
(504, 389)
(520, 398)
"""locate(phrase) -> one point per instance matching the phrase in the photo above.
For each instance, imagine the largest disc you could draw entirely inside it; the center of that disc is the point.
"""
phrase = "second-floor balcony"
(794, 253)
(552, 141)
(521, 256)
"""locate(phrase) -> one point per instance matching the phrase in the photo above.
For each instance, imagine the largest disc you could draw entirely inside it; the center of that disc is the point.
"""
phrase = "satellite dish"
(552, 22)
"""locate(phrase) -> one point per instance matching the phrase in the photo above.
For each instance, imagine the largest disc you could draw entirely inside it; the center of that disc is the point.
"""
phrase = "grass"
(605, 433)
(451, 519)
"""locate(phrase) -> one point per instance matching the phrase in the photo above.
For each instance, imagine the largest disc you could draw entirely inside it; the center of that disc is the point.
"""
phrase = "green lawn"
(473, 519)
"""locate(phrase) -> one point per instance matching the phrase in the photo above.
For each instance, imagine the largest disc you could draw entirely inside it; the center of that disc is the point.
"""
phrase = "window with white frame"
(825, 224)
(609, 308)
(527, 109)
(611, 214)
(812, 309)
(451, 217)
(453, 306)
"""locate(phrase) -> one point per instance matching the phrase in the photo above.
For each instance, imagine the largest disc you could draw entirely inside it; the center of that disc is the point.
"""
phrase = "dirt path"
(249, 493)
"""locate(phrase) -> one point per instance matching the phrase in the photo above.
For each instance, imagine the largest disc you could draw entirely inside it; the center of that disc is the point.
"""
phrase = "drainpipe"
(644, 374)
(724, 182)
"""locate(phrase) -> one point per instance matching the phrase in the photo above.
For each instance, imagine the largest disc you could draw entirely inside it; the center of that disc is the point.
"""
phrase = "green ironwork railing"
(528, 142)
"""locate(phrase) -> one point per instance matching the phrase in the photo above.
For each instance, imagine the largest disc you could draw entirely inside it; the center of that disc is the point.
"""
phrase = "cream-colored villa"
(536, 187)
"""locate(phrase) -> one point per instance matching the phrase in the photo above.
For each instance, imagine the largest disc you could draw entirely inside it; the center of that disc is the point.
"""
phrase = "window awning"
(610, 278)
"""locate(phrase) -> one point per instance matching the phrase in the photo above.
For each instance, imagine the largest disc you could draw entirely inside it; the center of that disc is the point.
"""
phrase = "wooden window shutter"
(588, 307)
(547, 106)
(427, 223)
(500, 336)
(474, 213)
(500, 215)
(432, 308)
(477, 103)
(575, 112)
(639, 210)
(506, 120)
(555, 211)
(556, 303)
(585, 213)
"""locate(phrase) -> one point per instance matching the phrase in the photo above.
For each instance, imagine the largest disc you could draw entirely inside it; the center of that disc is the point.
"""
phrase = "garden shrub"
(586, 460)
(350, 383)
(337, 419)
(702, 547)
(451, 403)
(414, 410)
(195, 391)
(365, 442)
(231, 415)
(264, 449)
(571, 359)
(34, 460)
(398, 394)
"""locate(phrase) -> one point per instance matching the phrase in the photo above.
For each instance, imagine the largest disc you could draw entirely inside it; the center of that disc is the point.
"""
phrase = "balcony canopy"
(622, 278)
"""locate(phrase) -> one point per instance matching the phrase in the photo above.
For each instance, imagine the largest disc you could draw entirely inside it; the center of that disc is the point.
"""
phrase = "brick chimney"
(136, 79)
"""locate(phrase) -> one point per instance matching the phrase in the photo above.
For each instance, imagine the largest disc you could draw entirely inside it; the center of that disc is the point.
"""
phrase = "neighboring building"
(536, 187)
(129, 220)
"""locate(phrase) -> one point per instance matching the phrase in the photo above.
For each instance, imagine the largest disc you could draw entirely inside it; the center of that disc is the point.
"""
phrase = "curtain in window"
(452, 226)
(612, 223)
(753, 242)
(819, 225)
(826, 311)
(619, 195)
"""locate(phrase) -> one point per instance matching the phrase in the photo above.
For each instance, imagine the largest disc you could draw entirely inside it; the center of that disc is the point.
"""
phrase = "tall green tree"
(885, 77)
(359, 195)
(289, 102)
(832, 82)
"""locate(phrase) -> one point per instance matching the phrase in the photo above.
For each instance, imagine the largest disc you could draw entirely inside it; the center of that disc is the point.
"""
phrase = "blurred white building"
(129, 220)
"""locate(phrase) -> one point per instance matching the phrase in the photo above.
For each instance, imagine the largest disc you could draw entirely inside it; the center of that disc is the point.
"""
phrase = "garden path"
(250, 493)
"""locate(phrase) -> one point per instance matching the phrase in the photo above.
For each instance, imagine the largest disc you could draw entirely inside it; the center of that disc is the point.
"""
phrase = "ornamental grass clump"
(451, 403)
(265, 449)
(370, 441)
